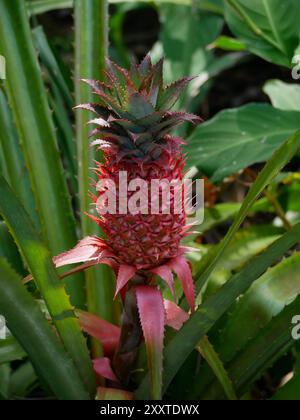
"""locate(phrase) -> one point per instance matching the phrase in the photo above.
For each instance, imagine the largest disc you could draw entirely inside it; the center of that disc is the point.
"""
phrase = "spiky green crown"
(133, 113)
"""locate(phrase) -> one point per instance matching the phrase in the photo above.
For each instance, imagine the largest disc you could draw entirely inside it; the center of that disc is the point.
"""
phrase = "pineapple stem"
(131, 336)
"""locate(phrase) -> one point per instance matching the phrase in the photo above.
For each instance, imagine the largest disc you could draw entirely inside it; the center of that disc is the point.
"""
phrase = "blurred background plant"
(238, 344)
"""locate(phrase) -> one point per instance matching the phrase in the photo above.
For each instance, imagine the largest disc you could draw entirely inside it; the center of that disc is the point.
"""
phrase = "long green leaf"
(17, 173)
(9, 250)
(224, 212)
(51, 287)
(263, 351)
(212, 309)
(28, 324)
(65, 130)
(247, 244)
(264, 300)
(48, 58)
(209, 354)
(28, 100)
(284, 96)
(5, 372)
(91, 26)
(267, 297)
(61, 101)
(42, 6)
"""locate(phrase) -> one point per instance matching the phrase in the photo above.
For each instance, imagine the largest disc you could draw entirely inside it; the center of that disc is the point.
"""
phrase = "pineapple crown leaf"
(133, 113)
(139, 106)
(95, 108)
(170, 94)
(100, 122)
(145, 66)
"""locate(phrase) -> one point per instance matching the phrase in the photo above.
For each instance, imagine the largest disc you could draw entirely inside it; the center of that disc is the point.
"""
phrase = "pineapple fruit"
(132, 127)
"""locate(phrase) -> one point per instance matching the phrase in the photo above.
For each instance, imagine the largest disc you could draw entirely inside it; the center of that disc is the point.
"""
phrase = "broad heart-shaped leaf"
(39, 262)
(269, 28)
(284, 96)
(29, 326)
(152, 317)
(240, 137)
(185, 50)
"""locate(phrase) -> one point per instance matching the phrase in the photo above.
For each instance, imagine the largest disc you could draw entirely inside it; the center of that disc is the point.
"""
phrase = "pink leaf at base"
(183, 270)
(152, 316)
(103, 368)
(107, 333)
(126, 273)
(175, 316)
(88, 249)
(166, 274)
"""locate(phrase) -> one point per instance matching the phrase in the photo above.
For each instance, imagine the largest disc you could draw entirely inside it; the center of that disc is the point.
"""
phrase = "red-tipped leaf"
(103, 368)
(88, 249)
(183, 271)
(107, 333)
(175, 316)
(166, 274)
(126, 273)
(152, 317)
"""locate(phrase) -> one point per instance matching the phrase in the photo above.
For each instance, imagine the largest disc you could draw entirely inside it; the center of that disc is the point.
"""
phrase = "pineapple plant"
(250, 269)
(133, 121)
